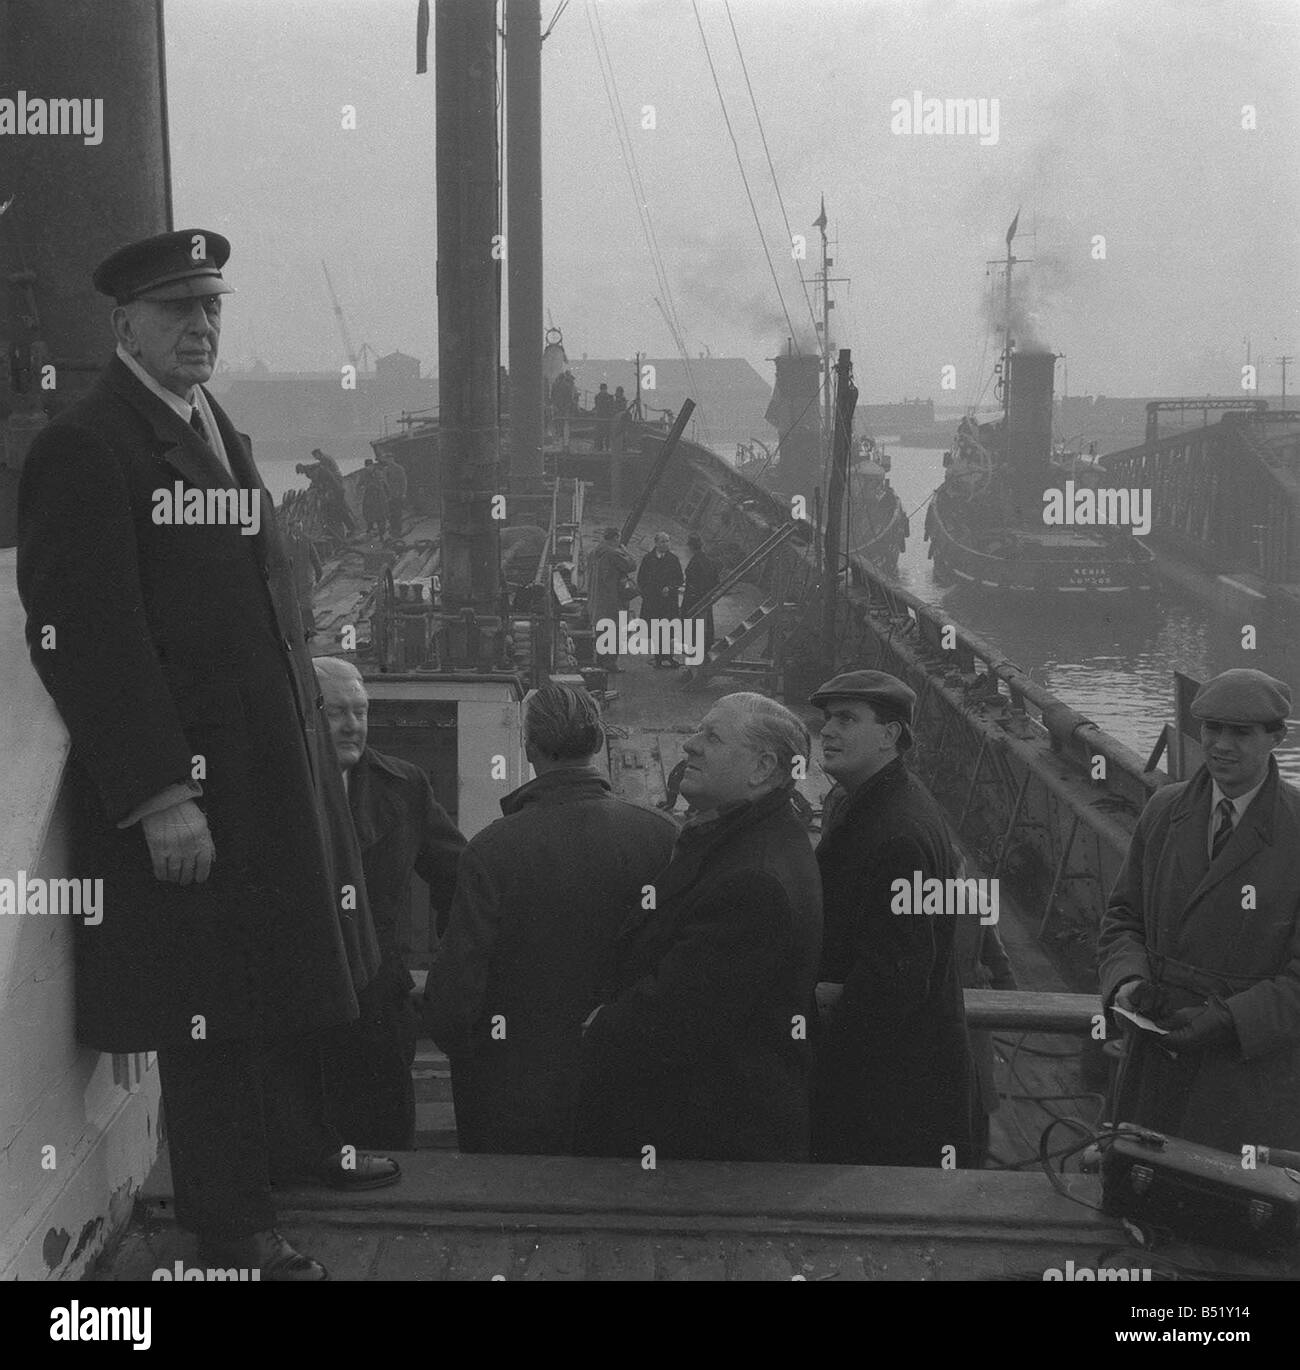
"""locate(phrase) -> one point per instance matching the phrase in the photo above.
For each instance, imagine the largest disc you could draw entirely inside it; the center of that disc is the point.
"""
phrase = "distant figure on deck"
(619, 420)
(660, 578)
(894, 1074)
(326, 477)
(395, 480)
(541, 894)
(374, 499)
(700, 1049)
(1202, 934)
(604, 410)
(401, 828)
(608, 563)
(701, 577)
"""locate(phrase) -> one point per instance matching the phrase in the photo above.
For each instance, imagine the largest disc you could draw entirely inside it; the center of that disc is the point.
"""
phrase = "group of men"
(604, 982)
(660, 580)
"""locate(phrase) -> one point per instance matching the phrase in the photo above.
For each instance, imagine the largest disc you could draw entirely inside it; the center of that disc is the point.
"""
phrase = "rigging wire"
(628, 152)
(749, 194)
(776, 185)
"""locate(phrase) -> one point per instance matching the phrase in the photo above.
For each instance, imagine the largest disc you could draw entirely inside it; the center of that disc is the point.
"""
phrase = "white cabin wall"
(99, 1113)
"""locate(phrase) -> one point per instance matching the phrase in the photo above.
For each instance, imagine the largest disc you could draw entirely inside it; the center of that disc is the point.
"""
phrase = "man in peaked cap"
(201, 783)
(1202, 934)
(893, 1073)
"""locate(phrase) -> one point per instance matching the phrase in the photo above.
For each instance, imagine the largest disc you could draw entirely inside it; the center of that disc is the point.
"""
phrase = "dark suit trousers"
(369, 1094)
(241, 1115)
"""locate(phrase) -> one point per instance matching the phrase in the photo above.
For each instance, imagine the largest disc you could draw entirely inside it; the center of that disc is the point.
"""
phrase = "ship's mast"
(469, 330)
(524, 255)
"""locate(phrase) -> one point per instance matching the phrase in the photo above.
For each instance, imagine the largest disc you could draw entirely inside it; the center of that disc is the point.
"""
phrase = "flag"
(820, 221)
(1011, 232)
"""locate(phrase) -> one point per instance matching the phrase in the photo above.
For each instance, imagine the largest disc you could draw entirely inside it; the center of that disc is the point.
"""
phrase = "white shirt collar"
(1240, 804)
(183, 408)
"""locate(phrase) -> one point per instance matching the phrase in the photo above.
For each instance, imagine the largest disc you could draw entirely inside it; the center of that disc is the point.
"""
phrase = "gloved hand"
(1141, 996)
(180, 844)
(1193, 1029)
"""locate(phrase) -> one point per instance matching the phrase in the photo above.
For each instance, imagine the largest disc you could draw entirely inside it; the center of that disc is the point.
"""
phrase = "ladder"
(742, 569)
(726, 649)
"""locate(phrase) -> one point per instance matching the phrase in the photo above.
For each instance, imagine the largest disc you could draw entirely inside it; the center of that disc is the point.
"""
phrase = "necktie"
(1224, 831)
(196, 424)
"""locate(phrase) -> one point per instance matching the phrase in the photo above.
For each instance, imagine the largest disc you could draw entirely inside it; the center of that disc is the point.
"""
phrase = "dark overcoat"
(606, 567)
(659, 578)
(171, 643)
(1229, 928)
(401, 828)
(540, 895)
(701, 578)
(702, 1051)
(894, 1074)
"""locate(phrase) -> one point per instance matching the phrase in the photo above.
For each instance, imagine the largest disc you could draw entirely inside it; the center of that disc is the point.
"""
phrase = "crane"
(342, 322)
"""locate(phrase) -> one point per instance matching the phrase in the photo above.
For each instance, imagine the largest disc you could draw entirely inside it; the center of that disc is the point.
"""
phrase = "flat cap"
(172, 266)
(889, 696)
(1243, 696)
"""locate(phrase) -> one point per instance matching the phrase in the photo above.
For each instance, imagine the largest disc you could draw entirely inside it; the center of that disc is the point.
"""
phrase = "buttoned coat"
(659, 578)
(894, 1073)
(540, 896)
(1228, 928)
(702, 1051)
(175, 652)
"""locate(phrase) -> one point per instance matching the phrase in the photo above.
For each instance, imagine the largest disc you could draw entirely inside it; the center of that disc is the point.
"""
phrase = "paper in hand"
(1144, 1023)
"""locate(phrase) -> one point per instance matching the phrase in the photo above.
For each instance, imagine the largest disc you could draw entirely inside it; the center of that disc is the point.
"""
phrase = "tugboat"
(987, 524)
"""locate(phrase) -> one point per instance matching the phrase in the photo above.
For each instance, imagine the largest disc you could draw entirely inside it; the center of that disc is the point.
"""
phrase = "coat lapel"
(1253, 833)
(179, 445)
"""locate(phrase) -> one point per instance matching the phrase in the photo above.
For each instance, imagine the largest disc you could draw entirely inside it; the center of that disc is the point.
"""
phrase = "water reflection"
(1112, 659)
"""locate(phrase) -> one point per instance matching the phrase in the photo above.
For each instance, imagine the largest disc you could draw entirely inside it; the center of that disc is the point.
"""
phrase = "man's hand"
(180, 844)
(828, 995)
(1141, 996)
(1192, 1029)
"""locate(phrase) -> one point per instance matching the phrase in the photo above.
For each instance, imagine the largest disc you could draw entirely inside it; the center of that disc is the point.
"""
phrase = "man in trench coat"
(660, 579)
(1202, 934)
(201, 783)
(608, 563)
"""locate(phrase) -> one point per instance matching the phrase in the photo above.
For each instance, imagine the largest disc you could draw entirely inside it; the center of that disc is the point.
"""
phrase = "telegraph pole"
(1284, 361)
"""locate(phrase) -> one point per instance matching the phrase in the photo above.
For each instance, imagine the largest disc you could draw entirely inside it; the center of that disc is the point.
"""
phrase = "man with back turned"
(1202, 934)
(201, 783)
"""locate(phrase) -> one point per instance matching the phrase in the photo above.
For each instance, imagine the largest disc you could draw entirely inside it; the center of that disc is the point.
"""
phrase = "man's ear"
(123, 329)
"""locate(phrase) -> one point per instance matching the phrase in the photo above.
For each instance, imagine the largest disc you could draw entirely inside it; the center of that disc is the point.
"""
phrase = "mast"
(524, 242)
(73, 201)
(825, 329)
(469, 324)
(846, 399)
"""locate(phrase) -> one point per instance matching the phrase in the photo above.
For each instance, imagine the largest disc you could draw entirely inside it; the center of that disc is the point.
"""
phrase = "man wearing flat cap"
(893, 1074)
(201, 784)
(1202, 934)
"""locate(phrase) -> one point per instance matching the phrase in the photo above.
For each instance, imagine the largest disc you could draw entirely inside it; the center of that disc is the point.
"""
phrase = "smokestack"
(1029, 420)
(793, 412)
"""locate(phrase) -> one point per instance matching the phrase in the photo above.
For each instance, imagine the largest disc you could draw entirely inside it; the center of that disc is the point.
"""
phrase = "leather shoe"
(265, 1251)
(365, 1172)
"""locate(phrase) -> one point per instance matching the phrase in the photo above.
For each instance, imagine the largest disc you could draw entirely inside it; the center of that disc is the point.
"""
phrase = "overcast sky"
(1114, 119)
